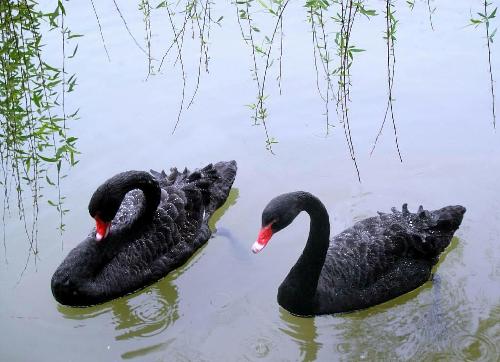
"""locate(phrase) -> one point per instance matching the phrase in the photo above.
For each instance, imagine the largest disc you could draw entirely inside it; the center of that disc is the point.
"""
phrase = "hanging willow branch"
(346, 17)
(249, 28)
(198, 15)
(390, 37)
(321, 55)
(34, 144)
(485, 18)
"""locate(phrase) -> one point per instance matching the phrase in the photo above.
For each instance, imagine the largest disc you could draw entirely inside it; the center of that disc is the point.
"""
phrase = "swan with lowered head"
(147, 224)
(375, 260)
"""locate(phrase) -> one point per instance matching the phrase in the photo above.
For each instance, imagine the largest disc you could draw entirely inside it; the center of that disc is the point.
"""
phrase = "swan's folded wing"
(362, 254)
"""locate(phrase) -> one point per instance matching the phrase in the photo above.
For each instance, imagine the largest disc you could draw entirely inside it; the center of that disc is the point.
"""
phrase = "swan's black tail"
(222, 176)
(427, 233)
(213, 181)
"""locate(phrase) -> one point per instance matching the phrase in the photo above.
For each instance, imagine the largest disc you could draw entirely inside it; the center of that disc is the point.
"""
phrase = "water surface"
(221, 305)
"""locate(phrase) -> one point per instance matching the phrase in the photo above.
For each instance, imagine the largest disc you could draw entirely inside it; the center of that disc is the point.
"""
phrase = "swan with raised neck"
(377, 259)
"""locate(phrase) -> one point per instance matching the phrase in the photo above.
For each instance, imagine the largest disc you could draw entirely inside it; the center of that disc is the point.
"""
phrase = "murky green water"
(221, 305)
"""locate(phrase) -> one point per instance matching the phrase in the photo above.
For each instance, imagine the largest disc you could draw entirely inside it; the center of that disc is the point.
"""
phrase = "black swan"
(375, 260)
(141, 236)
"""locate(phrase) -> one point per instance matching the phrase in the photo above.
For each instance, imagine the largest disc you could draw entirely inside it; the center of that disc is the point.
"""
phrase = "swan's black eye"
(272, 222)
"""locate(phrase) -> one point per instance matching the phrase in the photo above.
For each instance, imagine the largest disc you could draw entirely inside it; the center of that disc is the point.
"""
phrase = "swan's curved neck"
(147, 184)
(108, 197)
(302, 280)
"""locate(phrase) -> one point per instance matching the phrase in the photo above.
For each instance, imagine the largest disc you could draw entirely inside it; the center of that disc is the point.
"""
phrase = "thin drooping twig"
(254, 55)
(63, 83)
(391, 26)
(391, 61)
(431, 11)
(350, 23)
(63, 91)
(325, 61)
(239, 14)
(260, 101)
(203, 51)
(208, 8)
(174, 42)
(4, 234)
(324, 58)
(315, 50)
(128, 30)
(146, 12)
(488, 41)
(268, 55)
(100, 30)
(280, 59)
(198, 14)
(5, 183)
(347, 16)
(179, 56)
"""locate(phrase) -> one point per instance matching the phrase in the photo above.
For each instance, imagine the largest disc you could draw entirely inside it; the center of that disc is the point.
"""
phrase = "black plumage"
(157, 222)
(375, 260)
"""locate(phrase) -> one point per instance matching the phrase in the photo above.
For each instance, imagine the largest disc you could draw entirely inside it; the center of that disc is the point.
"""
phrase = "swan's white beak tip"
(256, 247)
(99, 236)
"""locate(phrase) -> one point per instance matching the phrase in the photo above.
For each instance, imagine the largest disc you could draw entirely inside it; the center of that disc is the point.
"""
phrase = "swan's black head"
(277, 215)
(104, 205)
(108, 197)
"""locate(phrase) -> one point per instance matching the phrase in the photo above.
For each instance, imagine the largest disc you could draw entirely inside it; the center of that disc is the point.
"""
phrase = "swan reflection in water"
(149, 311)
(303, 332)
(145, 313)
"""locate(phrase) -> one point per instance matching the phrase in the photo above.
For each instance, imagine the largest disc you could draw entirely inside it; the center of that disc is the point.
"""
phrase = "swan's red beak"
(101, 228)
(265, 235)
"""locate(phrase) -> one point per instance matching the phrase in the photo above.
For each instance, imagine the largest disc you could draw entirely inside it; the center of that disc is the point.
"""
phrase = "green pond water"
(221, 305)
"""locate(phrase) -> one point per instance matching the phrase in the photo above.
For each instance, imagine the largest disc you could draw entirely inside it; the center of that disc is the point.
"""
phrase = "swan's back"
(135, 255)
(382, 257)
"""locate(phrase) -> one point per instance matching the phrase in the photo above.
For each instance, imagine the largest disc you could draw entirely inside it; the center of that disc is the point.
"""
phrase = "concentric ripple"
(476, 347)
(145, 315)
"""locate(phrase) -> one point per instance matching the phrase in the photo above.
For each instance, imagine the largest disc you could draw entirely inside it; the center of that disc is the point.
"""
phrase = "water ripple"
(258, 348)
(478, 347)
(146, 314)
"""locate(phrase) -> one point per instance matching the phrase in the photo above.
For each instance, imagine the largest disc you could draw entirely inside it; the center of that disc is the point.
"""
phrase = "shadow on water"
(230, 201)
(239, 249)
(303, 332)
(149, 311)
